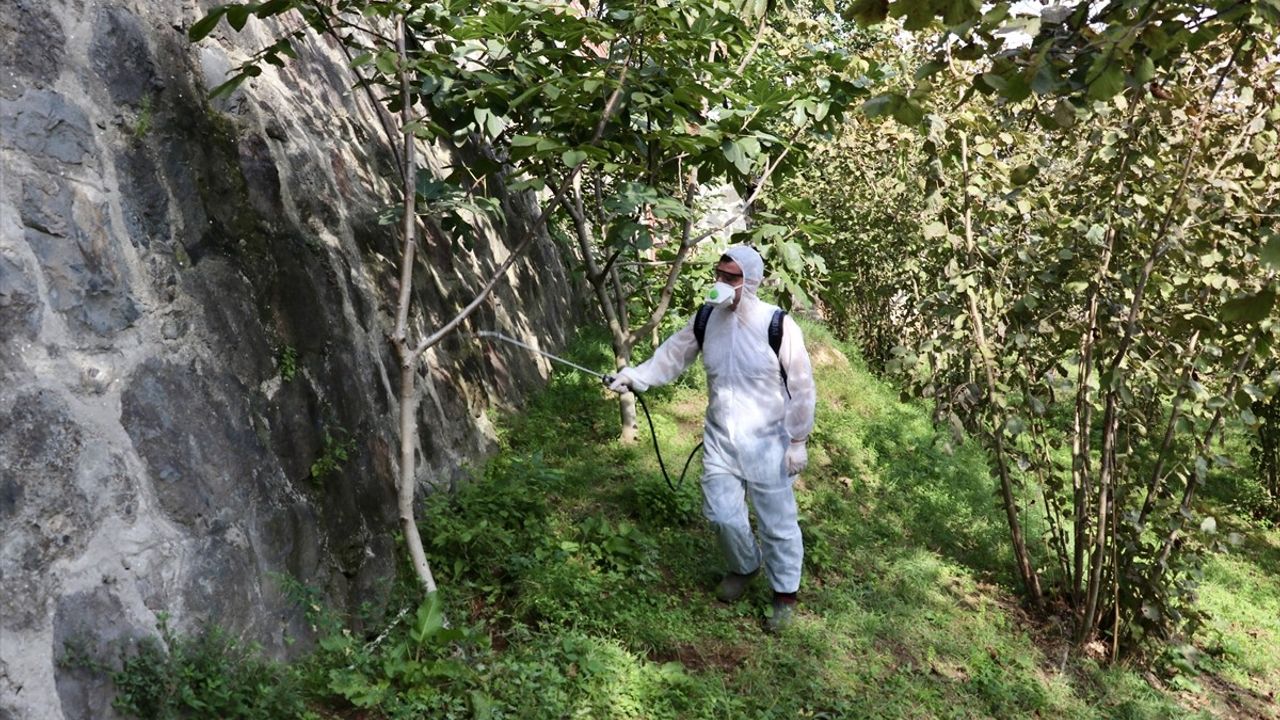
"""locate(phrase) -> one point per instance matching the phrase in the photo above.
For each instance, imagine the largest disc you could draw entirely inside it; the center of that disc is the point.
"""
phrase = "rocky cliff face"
(193, 305)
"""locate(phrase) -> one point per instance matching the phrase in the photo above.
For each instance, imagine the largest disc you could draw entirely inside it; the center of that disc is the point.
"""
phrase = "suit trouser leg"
(725, 505)
(775, 504)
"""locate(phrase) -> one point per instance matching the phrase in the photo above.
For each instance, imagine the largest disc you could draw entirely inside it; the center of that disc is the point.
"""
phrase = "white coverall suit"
(749, 424)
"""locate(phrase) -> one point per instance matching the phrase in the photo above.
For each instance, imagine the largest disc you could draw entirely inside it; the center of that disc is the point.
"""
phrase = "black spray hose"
(675, 487)
(608, 380)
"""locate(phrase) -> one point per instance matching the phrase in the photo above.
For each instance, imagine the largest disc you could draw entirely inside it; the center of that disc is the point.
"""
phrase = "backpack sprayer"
(607, 380)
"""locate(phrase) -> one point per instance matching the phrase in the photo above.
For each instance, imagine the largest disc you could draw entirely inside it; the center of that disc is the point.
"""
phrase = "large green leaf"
(956, 12)
(916, 14)
(386, 62)
(866, 12)
(205, 25)
(273, 7)
(881, 105)
(229, 86)
(741, 153)
(1251, 309)
(908, 112)
(1024, 174)
(1064, 113)
(1106, 77)
(1144, 69)
(238, 15)
(1270, 252)
(429, 619)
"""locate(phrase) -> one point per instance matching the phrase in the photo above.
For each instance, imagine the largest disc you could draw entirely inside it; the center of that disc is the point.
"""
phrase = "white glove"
(797, 458)
(626, 381)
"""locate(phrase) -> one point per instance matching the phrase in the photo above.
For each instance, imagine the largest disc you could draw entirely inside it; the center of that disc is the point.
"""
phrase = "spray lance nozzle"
(608, 380)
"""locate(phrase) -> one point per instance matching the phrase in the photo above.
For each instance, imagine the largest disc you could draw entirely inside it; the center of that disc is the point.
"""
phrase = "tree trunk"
(408, 476)
(627, 416)
(408, 480)
(1088, 622)
(626, 401)
(1022, 557)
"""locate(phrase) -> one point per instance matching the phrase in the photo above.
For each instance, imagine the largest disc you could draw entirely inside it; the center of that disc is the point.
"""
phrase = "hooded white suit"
(750, 422)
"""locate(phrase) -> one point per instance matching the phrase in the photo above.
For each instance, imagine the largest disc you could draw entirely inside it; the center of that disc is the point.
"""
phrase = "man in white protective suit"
(759, 415)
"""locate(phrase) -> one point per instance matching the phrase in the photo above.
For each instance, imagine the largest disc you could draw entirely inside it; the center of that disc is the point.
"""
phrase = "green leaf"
(205, 25)
(908, 112)
(918, 14)
(273, 7)
(1108, 78)
(880, 105)
(429, 619)
(1015, 86)
(229, 86)
(1250, 309)
(1270, 252)
(386, 62)
(738, 152)
(573, 158)
(1015, 426)
(1144, 70)
(867, 12)
(1024, 174)
(1064, 113)
(238, 15)
(1045, 79)
(960, 11)
(934, 230)
(525, 96)
(1156, 40)
(928, 69)
(527, 184)
(494, 124)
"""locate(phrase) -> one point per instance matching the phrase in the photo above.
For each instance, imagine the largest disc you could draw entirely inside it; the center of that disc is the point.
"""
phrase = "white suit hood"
(752, 267)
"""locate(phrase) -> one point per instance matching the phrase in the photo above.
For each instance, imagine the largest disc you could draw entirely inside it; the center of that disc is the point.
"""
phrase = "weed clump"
(206, 674)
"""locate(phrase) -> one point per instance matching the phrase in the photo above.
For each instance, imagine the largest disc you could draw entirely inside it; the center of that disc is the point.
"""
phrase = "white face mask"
(720, 294)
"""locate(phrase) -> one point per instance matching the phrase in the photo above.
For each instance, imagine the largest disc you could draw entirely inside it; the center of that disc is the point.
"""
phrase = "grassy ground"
(602, 607)
(580, 586)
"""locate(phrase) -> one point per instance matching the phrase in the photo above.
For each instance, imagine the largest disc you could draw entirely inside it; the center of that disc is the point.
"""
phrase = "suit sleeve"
(670, 359)
(804, 393)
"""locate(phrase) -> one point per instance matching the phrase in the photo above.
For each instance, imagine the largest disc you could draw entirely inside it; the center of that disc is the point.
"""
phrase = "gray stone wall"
(194, 300)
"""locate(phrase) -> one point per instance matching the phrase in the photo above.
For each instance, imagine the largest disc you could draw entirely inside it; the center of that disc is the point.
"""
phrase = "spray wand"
(607, 380)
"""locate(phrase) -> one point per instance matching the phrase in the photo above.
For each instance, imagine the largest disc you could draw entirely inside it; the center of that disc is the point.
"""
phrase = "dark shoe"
(733, 586)
(784, 611)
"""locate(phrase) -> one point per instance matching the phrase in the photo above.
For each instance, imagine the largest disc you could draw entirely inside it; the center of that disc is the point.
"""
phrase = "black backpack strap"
(775, 342)
(700, 323)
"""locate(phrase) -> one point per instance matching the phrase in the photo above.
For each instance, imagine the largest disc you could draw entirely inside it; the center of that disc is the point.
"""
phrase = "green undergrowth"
(578, 585)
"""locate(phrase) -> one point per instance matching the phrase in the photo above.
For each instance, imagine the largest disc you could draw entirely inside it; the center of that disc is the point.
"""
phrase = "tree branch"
(673, 273)
(755, 193)
(611, 107)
